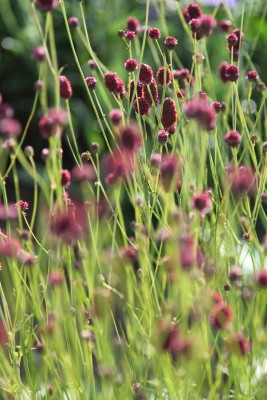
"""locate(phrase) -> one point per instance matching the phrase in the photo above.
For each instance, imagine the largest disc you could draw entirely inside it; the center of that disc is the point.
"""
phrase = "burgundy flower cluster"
(198, 108)
(201, 25)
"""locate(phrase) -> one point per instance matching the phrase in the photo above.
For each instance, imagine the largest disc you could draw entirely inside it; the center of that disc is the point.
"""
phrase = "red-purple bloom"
(10, 247)
(221, 316)
(194, 10)
(202, 203)
(65, 226)
(225, 25)
(207, 24)
(169, 173)
(121, 33)
(130, 253)
(130, 137)
(146, 74)
(153, 33)
(242, 179)
(200, 110)
(65, 88)
(56, 278)
(141, 106)
(252, 76)
(130, 35)
(171, 42)
(92, 64)
(22, 205)
(111, 81)
(73, 22)
(91, 82)
(164, 76)
(239, 345)
(51, 123)
(235, 273)
(261, 278)
(232, 39)
(84, 172)
(190, 253)
(222, 71)
(139, 89)
(132, 24)
(10, 127)
(217, 106)
(163, 136)
(46, 5)
(38, 53)
(115, 116)
(151, 91)
(65, 178)
(169, 114)
(155, 160)
(118, 165)
(181, 74)
(131, 65)
(232, 138)
(6, 111)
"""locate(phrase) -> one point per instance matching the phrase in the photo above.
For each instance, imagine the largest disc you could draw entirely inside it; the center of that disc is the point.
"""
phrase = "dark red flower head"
(232, 73)
(232, 138)
(202, 203)
(207, 24)
(171, 42)
(232, 39)
(65, 178)
(73, 22)
(10, 127)
(221, 316)
(139, 89)
(217, 106)
(242, 179)
(151, 92)
(111, 81)
(169, 114)
(46, 5)
(225, 25)
(132, 24)
(65, 88)
(130, 35)
(115, 116)
(194, 10)
(222, 71)
(252, 76)
(239, 345)
(130, 137)
(199, 109)
(164, 76)
(169, 173)
(141, 106)
(38, 53)
(65, 227)
(261, 278)
(131, 65)
(153, 33)
(146, 74)
(91, 82)
(163, 136)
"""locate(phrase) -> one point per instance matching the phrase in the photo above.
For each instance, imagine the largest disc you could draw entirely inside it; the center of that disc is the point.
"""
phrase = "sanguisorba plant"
(139, 274)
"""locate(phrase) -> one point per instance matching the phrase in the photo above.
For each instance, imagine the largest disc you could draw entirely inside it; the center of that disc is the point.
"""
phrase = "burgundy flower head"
(169, 173)
(225, 25)
(190, 253)
(151, 93)
(153, 33)
(65, 178)
(46, 5)
(131, 65)
(194, 10)
(232, 39)
(139, 89)
(222, 71)
(241, 179)
(111, 81)
(115, 116)
(217, 106)
(141, 106)
(163, 136)
(169, 114)
(146, 75)
(171, 42)
(239, 345)
(130, 137)
(132, 24)
(51, 124)
(65, 227)
(232, 138)
(91, 82)
(65, 88)
(164, 76)
(261, 278)
(199, 109)
(202, 203)
(84, 172)
(38, 53)
(10, 127)
(130, 35)
(207, 24)
(221, 316)
(252, 76)
(73, 22)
